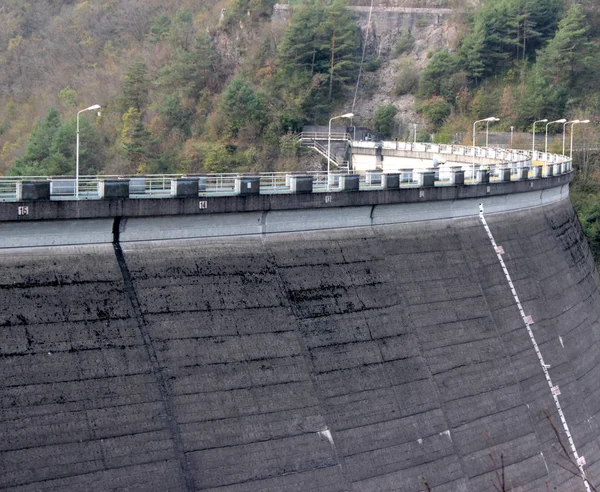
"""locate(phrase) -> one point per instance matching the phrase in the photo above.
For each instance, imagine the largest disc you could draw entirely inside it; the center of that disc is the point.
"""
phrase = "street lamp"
(562, 120)
(572, 128)
(545, 120)
(491, 118)
(91, 108)
(487, 129)
(347, 115)
(564, 131)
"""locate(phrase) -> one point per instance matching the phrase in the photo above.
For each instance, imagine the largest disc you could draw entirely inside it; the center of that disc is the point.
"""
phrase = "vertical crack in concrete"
(170, 422)
(339, 459)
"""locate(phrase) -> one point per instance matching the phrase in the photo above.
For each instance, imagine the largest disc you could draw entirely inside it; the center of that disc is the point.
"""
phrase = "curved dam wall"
(372, 358)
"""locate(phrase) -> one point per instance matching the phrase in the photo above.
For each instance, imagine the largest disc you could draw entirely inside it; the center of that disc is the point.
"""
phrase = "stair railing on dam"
(501, 165)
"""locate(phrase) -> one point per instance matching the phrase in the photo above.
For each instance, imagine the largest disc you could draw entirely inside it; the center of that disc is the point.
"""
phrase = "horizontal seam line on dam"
(100, 439)
(93, 472)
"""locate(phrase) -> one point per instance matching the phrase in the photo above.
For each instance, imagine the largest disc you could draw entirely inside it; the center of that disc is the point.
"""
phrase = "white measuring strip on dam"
(528, 321)
(98, 231)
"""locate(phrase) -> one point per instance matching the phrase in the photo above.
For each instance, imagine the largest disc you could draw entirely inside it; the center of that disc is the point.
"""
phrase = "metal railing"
(149, 186)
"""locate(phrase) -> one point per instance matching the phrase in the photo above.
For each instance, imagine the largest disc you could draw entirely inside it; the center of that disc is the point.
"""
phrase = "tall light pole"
(562, 120)
(91, 108)
(491, 118)
(347, 115)
(572, 128)
(487, 129)
(564, 131)
(545, 120)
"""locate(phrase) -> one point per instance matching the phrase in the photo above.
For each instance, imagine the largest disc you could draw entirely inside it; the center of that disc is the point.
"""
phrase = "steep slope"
(361, 359)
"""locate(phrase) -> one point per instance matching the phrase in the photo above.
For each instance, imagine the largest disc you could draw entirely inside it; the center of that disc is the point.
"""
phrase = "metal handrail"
(63, 187)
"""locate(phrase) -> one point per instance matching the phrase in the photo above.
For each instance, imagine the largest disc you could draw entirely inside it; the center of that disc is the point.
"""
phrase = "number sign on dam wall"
(384, 338)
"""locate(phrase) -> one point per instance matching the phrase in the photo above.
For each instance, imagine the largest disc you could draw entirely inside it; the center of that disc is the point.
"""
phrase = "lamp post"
(572, 128)
(347, 115)
(491, 118)
(562, 120)
(487, 129)
(572, 122)
(91, 108)
(545, 120)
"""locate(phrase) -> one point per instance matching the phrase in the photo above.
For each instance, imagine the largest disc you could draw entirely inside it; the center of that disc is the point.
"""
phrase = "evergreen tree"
(176, 116)
(341, 32)
(190, 71)
(562, 57)
(42, 134)
(241, 105)
(441, 68)
(384, 119)
(135, 87)
(322, 39)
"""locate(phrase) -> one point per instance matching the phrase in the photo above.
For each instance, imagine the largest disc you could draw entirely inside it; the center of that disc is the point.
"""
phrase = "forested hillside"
(199, 86)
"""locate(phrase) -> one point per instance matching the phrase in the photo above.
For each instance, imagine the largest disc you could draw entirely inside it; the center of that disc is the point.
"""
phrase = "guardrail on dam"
(368, 348)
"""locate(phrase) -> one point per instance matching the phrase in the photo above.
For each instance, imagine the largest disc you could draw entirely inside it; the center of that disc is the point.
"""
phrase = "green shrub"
(407, 80)
(422, 22)
(372, 65)
(435, 110)
(384, 119)
(404, 43)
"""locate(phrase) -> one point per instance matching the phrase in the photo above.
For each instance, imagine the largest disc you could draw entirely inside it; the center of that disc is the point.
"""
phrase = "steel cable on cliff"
(363, 57)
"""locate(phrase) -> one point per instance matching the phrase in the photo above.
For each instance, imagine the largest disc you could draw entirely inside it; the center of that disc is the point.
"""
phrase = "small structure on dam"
(358, 333)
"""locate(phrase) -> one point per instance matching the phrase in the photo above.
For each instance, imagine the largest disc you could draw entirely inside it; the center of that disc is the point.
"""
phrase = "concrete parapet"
(557, 169)
(300, 184)
(523, 173)
(457, 175)
(33, 190)
(391, 181)
(117, 189)
(184, 187)
(504, 174)
(536, 172)
(427, 178)
(349, 182)
(483, 176)
(215, 204)
(347, 211)
(548, 170)
(247, 185)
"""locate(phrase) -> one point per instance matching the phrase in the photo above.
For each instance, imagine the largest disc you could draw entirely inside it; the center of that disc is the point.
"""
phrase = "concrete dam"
(383, 340)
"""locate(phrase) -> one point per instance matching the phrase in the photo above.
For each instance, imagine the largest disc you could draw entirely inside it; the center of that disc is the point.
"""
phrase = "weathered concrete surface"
(365, 359)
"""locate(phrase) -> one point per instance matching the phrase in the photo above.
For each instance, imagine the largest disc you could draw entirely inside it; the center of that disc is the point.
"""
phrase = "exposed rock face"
(431, 29)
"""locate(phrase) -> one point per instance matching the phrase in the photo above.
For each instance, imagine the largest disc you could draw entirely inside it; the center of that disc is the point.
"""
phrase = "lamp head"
(562, 120)
(347, 115)
(545, 120)
(572, 121)
(584, 121)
